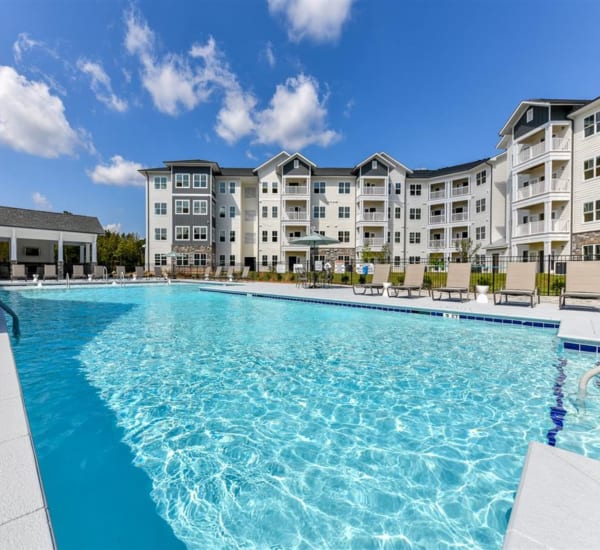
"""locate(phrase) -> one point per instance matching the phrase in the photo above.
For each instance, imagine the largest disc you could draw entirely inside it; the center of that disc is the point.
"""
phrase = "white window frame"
(319, 187)
(200, 181)
(160, 208)
(182, 206)
(480, 205)
(232, 211)
(160, 182)
(481, 177)
(343, 187)
(222, 187)
(591, 125)
(274, 212)
(414, 214)
(318, 212)
(529, 115)
(180, 231)
(415, 190)
(182, 181)
(200, 207)
(232, 187)
(344, 212)
(160, 233)
(480, 233)
(344, 236)
(591, 166)
(414, 237)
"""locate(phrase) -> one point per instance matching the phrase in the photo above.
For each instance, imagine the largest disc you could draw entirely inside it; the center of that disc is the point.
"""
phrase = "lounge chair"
(301, 277)
(17, 271)
(100, 272)
(245, 274)
(78, 272)
(229, 274)
(520, 281)
(207, 273)
(140, 273)
(218, 272)
(413, 280)
(120, 271)
(50, 272)
(582, 282)
(457, 282)
(381, 274)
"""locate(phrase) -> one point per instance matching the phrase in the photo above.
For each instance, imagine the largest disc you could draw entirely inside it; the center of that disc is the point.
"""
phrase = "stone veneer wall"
(581, 239)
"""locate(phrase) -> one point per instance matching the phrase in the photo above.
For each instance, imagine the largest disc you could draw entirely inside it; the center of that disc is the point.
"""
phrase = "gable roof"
(457, 169)
(297, 156)
(272, 159)
(387, 160)
(53, 221)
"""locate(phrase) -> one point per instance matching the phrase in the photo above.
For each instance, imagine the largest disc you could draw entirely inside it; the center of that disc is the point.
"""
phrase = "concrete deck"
(24, 520)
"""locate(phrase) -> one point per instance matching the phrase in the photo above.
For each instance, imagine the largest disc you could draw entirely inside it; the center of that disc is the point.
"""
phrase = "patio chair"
(301, 276)
(78, 272)
(100, 272)
(244, 275)
(50, 272)
(17, 271)
(229, 274)
(207, 272)
(413, 280)
(120, 271)
(457, 282)
(140, 273)
(520, 281)
(158, 272)
(381, 273)
(582, 282)
(218, 271)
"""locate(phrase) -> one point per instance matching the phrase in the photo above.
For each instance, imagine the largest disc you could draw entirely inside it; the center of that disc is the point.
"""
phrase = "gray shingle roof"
(332, 171)
(446, 170)
(53, 221)
(237, 171)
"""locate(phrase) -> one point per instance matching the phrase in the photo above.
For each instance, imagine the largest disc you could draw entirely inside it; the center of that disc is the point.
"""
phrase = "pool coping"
(31, 527)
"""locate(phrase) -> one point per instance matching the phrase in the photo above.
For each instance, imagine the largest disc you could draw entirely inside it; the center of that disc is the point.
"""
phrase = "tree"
(466, 250)
(120, 249)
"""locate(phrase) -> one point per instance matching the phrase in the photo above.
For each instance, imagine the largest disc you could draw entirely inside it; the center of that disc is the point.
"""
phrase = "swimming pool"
(165, 414)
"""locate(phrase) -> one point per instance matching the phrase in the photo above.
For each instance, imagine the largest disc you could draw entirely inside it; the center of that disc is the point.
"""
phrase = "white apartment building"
(534, 199)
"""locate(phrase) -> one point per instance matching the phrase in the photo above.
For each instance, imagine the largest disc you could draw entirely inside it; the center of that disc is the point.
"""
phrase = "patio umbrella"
(314, 240)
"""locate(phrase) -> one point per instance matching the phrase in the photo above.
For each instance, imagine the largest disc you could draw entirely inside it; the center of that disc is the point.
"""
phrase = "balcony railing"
(295, 190)
(533, 228)
(437, 244)
(372, 217)
(537, 187)
(294, 215)
(437, 219)
(371, 242)
(437, 194)
(373, 190)
(460, 216)
(460, 191)
(456, 242)
(528, 152)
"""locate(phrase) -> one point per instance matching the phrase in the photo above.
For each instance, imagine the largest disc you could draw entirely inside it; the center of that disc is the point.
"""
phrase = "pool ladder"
(583, 383)
(15, 319)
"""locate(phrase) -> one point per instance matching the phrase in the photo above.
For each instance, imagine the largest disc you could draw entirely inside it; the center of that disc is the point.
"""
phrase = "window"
(160, 259)
(397, 237)
(265, 236)
(160, 182)
(264, 260)
(274, 211)
(529, 115)
(591, 168)
(274, 236)
(319, 187)
(265, 211)
(222, 260)
(182, 206)
(274, 260)
(374, 165)
(397, 188)
(343, 211)
(414, 259)
(414, 238)
(232, 259)
(274, 187)
(221, 236)
(160, 208)
(199, 259)
(265, 186)
(591, 211)
(222, 187)
(397, 261)
(591, 252)
(182, 232)
(182, 260)
(414, 214)
(296, 163)
(591, 124)
(397, 212)
(221, 212)
(481, 177)
(232, 236)
(232, 187)
(344, 236)
(160, 234)
(200, 208)
(480, 233)
(200, 181)
(182, 181)
(480, 205)
(318, 211)
(200, 232)
(232, 211)
(415, 189)
(344, 187)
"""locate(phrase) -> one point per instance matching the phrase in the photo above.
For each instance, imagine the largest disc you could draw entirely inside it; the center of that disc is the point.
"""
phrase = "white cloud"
(119, 172)
(349, 108)
(101, 85)
(296, 116)
(318, 20)
(113, 227)
(41, 201)
(269, 54)
(32, 120)
(235, 117)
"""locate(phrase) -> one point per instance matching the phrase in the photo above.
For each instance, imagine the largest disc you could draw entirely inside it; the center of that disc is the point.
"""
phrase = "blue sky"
(90, 91)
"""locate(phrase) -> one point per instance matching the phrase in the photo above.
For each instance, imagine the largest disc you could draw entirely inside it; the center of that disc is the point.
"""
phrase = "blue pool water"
(164, 416)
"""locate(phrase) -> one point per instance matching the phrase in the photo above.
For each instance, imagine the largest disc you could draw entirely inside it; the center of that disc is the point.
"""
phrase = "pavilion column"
(60, 261)
(13, 247)
(81, 254)
(94, 253)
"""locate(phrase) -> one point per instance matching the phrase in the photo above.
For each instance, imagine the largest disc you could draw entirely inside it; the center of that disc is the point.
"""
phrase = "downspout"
(491, 197)
(571, 198)
(403, 211)
(147, 248)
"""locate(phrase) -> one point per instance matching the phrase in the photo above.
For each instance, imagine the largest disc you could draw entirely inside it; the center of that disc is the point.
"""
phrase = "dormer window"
(374, 165)
(529, 116)
(296, 163)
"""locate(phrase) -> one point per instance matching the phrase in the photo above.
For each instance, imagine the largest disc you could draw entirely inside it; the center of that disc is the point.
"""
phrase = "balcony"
(293, 215)
(461, 190)
(456, 242)
(528, 152)
(441, 218)
(533, 228)
(436, 244)
(372, 217)
(437, 194)
(295, 190)
(537, 187)
(373, 190)
(459, 217)
(371, 242)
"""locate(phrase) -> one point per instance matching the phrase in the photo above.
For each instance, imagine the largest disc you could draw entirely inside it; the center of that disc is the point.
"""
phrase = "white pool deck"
(558, 501)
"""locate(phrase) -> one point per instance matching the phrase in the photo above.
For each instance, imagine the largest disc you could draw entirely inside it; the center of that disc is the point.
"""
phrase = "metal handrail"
(15, 319)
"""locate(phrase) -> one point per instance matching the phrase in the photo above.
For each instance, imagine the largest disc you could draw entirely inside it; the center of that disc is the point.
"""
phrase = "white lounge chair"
(457, 282)
(413, 280)
(381, 273)
(520, 281)
(582, 282)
